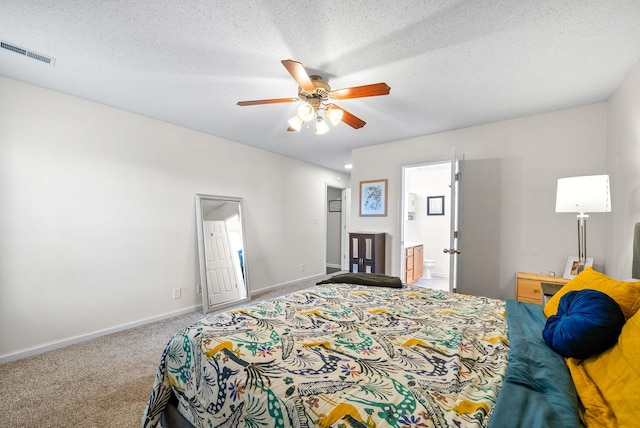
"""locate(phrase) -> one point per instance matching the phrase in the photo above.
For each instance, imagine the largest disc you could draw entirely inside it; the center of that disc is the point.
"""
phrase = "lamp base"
(582, 237)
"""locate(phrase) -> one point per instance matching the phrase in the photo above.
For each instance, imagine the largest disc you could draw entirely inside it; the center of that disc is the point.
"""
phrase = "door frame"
(403, 191)
(344, 223)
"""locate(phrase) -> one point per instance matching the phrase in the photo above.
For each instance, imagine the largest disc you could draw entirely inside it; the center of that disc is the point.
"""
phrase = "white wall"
(510, 171)
(623, 165)
(97, 222)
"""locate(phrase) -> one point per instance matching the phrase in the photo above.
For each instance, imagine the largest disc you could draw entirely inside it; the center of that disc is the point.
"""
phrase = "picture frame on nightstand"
(573, 268)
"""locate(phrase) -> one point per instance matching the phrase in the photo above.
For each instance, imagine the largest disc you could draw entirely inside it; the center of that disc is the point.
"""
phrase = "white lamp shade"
(295, 123)
(321, 127)
(586, 194)
(306, 112)
(334, 114)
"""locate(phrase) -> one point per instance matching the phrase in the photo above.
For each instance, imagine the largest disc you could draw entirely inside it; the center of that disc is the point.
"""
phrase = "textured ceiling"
(450, 64)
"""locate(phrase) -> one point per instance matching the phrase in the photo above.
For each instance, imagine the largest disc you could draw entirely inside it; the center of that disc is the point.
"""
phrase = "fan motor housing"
(321, 91)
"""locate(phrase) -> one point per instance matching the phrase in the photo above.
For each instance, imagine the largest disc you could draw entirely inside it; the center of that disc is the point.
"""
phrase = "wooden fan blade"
(353, 121)
(300, 75)
(372, 90)
(269, 101)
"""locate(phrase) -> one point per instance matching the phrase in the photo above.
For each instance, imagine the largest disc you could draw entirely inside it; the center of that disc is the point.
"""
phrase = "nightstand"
(532, 287)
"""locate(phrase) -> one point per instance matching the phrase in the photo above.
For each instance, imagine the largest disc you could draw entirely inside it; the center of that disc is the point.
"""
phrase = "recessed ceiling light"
(348, 166)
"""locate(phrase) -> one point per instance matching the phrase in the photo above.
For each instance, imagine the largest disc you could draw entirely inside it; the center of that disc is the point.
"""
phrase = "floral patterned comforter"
(339, 355)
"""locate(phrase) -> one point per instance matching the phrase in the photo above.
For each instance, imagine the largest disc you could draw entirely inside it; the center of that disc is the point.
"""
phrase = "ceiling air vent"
(27, 53)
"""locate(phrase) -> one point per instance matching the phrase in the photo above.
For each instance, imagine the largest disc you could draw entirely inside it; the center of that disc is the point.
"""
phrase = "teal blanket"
(537, 390)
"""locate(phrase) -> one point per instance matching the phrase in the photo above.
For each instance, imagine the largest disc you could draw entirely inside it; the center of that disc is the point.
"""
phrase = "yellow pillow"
(608, 383)
(626, 294)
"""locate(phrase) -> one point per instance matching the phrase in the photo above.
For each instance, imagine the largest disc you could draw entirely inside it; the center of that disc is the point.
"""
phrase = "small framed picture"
(335, 206)
(373, 198)
(435, 205)
(574, 267)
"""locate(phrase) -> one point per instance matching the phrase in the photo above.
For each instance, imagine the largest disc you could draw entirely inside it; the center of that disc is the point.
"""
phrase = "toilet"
(427, 265)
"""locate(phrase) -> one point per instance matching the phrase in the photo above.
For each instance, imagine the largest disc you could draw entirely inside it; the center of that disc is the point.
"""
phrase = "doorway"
(336, 229)
(430, 216)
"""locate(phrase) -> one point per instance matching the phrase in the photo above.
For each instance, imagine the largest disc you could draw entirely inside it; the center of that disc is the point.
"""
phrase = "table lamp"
(582, 195)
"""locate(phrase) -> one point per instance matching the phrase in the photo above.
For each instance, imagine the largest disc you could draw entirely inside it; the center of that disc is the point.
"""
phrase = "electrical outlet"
(199, 288)
(177, 293)
(302, 267)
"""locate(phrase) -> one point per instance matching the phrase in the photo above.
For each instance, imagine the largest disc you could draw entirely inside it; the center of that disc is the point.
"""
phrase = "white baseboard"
(440, 274)
(84, 337)
(93, 335)
(271, 287)
(333, 265)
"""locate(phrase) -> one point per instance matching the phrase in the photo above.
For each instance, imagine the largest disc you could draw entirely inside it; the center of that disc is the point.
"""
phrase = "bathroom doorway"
(430, 214)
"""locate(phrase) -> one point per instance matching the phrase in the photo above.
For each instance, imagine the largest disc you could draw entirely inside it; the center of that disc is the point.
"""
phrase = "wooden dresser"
(366, 252)
(529, 286)
(413, 263)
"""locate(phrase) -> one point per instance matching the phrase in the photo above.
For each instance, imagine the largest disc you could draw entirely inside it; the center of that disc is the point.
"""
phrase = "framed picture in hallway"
(335, 206)
(373, 198)
(435, 205)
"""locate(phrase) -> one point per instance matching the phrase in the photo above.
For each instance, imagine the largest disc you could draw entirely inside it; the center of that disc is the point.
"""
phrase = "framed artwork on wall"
(573, 267)
(335, 206)
(373, 198)
(435, 205)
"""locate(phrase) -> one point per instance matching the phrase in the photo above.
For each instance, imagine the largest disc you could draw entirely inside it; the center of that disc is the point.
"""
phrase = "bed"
(353, 353)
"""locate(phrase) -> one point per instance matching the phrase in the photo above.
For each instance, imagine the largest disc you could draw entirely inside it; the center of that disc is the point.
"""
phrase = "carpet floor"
(103, 382)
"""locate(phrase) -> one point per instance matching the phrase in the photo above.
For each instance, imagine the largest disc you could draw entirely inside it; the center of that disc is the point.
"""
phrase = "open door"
(455, 241)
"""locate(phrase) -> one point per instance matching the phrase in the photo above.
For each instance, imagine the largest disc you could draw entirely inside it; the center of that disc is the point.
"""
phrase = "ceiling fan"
(316, 95)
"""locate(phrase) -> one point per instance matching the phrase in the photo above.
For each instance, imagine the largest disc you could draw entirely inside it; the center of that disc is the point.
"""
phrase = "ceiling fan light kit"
(321, 126)
(334, 114)
(295, 123)
(306, 112)
(316, 96)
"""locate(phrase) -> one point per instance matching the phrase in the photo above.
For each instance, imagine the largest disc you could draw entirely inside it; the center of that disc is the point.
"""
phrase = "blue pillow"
(587, 323)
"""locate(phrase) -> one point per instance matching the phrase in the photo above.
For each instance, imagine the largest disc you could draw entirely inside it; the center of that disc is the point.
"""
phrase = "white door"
(454, 250)
(222, 285)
